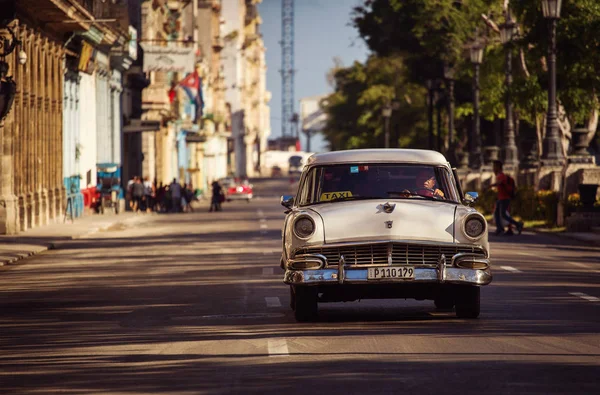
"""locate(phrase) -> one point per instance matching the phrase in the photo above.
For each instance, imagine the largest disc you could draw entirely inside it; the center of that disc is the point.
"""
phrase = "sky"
(322, 31)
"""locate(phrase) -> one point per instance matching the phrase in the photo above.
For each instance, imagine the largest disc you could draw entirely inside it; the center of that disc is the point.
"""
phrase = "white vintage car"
(383, 224)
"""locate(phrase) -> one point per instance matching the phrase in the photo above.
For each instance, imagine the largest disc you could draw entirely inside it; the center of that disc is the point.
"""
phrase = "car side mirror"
(287, 201)
(470, 198)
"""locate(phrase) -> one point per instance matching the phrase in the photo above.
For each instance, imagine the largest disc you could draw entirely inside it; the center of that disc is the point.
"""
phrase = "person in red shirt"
(503, 201)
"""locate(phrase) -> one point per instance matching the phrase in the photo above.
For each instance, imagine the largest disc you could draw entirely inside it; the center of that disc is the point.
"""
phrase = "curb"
(13, 258)
(559, 235)
(563, 235)
(20, 255)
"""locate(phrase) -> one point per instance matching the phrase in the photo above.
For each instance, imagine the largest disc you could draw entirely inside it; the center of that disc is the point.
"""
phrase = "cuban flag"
(192, 85)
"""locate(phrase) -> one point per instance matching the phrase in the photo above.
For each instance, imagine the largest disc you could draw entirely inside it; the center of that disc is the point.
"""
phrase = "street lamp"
(552, 151)
(508, 31)
(475, 160)
(430, 85)
(387, 113)
(449, 73)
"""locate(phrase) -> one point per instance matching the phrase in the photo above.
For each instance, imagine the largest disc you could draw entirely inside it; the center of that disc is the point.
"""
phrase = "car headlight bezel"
(305, 235)
(465, 226)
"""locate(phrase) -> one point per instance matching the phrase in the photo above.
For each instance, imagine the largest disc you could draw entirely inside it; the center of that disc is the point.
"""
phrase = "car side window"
(305, 189)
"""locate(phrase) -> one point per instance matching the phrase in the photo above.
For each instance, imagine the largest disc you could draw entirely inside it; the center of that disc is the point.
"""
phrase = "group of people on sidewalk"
(146, 196)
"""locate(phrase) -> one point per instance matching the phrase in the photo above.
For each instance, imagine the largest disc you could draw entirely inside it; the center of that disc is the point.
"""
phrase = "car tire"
(305, 304)
(444, 302)
(468, 302)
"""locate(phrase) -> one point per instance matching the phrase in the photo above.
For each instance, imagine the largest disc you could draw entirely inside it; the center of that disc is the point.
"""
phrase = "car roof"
(379, 156)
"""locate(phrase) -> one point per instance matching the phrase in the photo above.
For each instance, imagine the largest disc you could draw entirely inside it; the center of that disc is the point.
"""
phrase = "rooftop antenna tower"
(287, 70)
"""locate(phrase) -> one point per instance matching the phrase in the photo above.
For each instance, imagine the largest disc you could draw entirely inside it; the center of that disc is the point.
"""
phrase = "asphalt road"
(194, 303)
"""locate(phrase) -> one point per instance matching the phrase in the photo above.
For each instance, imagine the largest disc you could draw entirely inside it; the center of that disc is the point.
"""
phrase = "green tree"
(355, 108)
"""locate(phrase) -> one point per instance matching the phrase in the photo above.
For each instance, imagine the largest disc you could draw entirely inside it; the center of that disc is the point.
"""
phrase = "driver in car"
(426, 185)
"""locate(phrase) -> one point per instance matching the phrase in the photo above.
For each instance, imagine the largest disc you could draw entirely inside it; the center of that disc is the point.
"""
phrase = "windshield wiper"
(409, 193)
(341, 199)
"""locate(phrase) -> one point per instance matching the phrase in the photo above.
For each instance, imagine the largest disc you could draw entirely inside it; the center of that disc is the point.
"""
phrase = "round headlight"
(474, 227)
(304, 227)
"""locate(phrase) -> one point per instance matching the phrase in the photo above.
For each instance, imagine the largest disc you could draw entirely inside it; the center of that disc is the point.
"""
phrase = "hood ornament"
(389, 224)
(389, 208)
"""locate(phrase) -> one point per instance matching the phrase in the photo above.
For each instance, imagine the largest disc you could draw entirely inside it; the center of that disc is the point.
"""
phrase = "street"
(195, 303)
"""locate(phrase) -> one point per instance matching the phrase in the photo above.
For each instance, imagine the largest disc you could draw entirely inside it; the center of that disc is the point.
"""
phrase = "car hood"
(414, 219)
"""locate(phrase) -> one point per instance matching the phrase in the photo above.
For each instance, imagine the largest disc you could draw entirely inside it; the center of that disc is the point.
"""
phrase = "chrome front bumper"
(351, 274)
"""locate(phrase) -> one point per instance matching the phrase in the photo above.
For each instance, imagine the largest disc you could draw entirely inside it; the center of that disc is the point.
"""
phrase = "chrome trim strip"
(360, 276)
(341, 270)
(441, 268)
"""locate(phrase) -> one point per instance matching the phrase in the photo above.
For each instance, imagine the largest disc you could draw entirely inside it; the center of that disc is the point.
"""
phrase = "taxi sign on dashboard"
(335, 195)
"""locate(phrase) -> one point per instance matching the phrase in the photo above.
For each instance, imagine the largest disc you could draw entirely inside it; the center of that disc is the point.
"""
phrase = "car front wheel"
(444, 302)
(468, 302)
(305, 303)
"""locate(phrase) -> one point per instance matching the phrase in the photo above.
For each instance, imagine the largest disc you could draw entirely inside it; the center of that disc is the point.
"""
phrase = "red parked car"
(236, 189)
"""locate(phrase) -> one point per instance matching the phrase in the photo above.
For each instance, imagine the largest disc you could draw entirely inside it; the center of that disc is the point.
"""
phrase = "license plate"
(380, 273)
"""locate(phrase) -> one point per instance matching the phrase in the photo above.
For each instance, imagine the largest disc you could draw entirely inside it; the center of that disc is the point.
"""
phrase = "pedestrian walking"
(137, 192)
(506, 188)
(148, 200)
(129, 194)
(188, 195)
(217, 197)
(175, 189)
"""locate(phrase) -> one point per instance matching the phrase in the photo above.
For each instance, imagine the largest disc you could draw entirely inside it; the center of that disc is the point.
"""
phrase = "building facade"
(245, 76)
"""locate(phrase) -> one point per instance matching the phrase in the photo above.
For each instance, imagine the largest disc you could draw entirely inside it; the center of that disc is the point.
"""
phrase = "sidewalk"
(585, 237)
(34, 241)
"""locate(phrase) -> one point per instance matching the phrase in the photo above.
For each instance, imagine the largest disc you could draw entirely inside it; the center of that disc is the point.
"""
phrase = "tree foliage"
(361, 92)
(412, 40)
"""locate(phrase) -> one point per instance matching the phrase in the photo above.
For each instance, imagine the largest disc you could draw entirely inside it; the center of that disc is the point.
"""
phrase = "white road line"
(262, 220)
(272, 301)
(583, 265)
(260, 213)
(510, 269)
(267, 253)
(585, 296)
(267, 271)
(263, 226)
(278, 348)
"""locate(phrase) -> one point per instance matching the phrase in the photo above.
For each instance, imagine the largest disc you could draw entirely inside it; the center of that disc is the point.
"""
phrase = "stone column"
(8, 201)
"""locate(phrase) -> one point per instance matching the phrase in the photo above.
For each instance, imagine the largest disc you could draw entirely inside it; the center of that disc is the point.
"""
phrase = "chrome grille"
(402, 253)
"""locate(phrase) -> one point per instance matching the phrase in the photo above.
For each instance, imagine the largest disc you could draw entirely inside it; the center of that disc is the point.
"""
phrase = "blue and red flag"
(192, 85)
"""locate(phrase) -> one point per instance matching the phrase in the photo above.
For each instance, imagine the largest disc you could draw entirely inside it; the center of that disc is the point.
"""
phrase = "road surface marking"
(510, 269)
(272, 301)
(583, 265)
(260, 213)
(585, 296)
(263, 226)
(267, 252)
(263, 220)
(278, 348)
(267, 270)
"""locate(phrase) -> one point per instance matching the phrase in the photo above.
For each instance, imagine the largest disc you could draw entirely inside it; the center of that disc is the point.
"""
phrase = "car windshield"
(334, 183)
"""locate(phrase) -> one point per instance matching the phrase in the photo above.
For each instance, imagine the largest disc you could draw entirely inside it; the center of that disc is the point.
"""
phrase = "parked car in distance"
(383, 224)
(237, 189)
(276, 171)
(295, 164)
